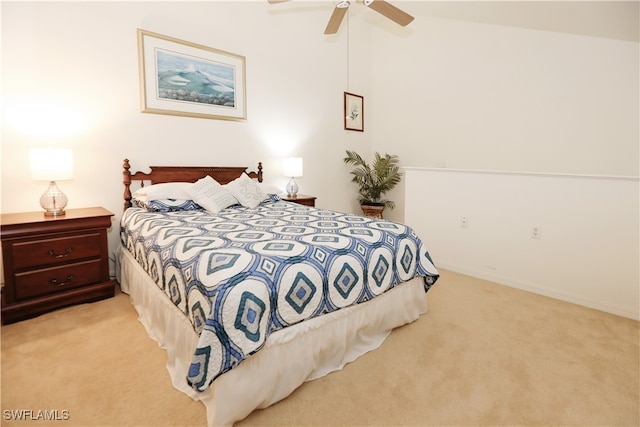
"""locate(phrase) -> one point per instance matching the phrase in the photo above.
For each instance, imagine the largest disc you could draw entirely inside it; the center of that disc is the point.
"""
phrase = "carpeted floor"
(484, 354)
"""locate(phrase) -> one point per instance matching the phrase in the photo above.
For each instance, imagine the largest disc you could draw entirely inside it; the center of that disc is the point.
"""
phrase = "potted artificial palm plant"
(374, 181)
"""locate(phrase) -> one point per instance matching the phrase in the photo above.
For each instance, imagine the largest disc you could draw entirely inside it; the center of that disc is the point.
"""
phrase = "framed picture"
(353, 112)
(187, 79)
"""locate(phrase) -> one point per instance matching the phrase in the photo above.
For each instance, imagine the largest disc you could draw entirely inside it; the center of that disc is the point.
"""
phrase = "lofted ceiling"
(608, 19)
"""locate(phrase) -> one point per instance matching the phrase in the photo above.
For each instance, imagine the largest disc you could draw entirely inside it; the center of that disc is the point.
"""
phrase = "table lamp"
(52, 164)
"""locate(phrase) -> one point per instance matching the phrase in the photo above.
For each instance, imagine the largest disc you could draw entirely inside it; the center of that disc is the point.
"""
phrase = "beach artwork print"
(189, 79)
(186, 79)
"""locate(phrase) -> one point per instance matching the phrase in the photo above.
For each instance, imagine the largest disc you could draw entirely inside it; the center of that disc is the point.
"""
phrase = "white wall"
(493, 97)
(479, 96)
(587, 246)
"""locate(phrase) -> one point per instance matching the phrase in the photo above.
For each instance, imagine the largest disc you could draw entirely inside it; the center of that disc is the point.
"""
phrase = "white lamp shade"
(51, 164)
(292, 166)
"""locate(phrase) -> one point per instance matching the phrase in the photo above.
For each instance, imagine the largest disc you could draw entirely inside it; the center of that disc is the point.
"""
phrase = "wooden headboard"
(160, 174)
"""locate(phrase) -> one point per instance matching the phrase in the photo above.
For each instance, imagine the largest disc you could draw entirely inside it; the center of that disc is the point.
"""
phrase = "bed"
(250, 295)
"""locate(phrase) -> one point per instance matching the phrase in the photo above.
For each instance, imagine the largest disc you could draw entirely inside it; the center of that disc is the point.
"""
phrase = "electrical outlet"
(464, 222)
(536, 233)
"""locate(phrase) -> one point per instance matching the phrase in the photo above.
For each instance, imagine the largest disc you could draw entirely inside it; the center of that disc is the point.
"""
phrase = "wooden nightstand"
(301, 199)
(53, 262)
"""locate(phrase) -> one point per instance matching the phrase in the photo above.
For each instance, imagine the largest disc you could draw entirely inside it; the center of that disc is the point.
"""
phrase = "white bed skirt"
(290, 357)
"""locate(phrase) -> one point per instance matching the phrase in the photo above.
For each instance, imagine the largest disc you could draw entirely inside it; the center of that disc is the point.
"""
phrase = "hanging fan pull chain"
(348, 40)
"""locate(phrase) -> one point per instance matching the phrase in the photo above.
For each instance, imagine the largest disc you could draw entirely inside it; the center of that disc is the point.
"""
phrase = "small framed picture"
(181, 78)
(353, 112)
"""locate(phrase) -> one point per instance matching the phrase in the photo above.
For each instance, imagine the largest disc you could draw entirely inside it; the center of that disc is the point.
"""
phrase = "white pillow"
(246, 191)
(212, 196)
(167, 190)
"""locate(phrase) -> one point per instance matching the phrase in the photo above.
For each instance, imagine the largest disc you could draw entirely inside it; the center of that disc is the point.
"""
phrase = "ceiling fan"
(381, 6)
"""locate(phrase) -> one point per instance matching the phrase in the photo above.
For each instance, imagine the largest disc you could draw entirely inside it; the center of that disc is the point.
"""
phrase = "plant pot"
(372, 211)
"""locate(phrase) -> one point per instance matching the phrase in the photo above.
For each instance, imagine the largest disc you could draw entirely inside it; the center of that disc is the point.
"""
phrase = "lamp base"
(53, 201)
(292, 188)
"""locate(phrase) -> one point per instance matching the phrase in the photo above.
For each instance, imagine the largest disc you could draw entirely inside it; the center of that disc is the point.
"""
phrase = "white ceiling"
(609, 19)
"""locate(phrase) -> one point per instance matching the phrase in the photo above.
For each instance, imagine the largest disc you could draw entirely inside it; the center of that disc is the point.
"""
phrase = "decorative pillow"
(167, 205)
(247, 191)
(167, 190)
(208, 193)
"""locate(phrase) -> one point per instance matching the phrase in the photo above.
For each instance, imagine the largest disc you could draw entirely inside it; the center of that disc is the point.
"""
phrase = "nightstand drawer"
(57, 279)
(51, 251)
(306, 202)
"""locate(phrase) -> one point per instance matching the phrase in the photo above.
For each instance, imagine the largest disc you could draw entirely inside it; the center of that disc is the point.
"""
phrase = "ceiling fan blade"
(336, 17)
(390, 11)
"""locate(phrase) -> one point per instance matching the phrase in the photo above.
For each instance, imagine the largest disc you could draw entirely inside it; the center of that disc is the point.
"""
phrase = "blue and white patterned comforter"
(243, 273)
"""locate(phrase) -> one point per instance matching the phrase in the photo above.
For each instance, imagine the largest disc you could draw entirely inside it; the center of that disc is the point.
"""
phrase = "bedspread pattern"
(243, 273)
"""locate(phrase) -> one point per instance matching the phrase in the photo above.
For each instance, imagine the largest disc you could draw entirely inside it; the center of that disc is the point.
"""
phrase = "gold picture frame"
(353, 112)
(181, 78)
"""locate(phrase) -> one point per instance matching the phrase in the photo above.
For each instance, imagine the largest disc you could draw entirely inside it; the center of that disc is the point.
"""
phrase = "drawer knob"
(62, 255)
(55, 282)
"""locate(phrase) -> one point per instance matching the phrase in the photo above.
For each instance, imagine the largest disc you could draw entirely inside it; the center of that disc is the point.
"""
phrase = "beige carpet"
(484, 354)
